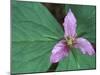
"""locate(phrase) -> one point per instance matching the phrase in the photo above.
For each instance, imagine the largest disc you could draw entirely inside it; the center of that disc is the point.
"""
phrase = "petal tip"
(92, 52)
(69, 10)
(52, 60)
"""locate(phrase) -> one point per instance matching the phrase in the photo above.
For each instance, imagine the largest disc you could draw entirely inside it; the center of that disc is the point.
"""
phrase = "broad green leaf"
(86, 25)
(34, 33)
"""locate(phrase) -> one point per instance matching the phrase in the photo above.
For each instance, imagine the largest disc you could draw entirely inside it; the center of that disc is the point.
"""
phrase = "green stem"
(76, 57)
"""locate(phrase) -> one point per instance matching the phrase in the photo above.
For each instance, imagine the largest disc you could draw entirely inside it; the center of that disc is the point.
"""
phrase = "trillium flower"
(62, 48)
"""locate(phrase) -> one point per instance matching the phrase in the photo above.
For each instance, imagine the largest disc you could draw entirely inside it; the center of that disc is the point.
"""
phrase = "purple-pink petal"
(70, 24)
(85, 46)
(59, 51)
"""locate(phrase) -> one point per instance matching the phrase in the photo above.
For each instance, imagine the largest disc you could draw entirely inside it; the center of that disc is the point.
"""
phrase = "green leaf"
(34, 33)
(86, 25)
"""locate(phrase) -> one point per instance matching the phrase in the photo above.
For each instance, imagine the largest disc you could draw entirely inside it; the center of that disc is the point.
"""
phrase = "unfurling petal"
(70, 24)
(59, 51)
(85, 46)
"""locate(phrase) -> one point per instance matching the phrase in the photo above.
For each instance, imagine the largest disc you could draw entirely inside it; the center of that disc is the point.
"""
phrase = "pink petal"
(85, 46)
(59, 51)
(70, 24)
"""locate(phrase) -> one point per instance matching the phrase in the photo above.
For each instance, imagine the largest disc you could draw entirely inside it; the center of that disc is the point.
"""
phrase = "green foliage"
(35, 31)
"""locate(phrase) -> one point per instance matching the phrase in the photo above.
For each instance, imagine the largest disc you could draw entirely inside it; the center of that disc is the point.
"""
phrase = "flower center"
(70, 41)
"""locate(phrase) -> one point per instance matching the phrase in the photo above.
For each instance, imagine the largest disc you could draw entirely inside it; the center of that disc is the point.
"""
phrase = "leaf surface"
(34, 33)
